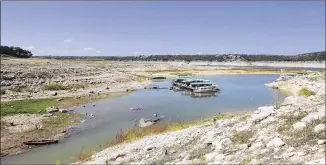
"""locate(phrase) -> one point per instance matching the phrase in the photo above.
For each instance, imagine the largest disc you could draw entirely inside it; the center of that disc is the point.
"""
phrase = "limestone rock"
(319, 128)
(299, 125)
(275, 143)
(264, 113)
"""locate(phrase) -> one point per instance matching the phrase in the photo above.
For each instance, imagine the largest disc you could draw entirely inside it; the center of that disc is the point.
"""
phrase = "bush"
(306, 92)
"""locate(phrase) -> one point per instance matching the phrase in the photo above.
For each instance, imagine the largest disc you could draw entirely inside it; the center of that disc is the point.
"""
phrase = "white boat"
(286, 77)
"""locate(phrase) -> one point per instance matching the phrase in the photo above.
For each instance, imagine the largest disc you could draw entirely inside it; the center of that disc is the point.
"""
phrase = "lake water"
(238, 93)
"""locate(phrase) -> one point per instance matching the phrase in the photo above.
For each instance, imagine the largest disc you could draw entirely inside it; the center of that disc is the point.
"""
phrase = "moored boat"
(40, 142)
(286, 77)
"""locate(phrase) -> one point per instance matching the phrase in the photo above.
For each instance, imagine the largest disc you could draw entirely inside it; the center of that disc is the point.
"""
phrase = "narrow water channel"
(238, 93)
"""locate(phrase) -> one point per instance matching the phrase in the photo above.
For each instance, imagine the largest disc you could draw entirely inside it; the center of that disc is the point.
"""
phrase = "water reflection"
(198, 95)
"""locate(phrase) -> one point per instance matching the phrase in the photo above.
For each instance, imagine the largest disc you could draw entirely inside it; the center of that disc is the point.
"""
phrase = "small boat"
(40, 142)
(159, 78)
(4, 154)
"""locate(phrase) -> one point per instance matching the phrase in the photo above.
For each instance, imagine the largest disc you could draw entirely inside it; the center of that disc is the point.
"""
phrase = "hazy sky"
(184, 27)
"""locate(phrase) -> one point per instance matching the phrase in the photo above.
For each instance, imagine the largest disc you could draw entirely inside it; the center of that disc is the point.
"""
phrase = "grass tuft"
(223, 116)
(242, 137)
(246, 161)
(306, 92)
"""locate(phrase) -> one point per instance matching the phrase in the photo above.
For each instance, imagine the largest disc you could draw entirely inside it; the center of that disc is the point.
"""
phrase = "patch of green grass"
(139, 78)
(223, 116)
(242, 137)
(203, 159)
(306, 92)
(246, 161)
(33, 106)
(313, 78)
(54, 87)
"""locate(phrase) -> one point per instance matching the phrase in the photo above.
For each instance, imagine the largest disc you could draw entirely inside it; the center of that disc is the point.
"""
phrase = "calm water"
(238, 93)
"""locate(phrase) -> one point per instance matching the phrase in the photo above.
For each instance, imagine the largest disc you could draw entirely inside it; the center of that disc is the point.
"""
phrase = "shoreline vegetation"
(67, 83)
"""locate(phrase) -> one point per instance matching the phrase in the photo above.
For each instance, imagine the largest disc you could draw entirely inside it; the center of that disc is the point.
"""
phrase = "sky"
(112, 28)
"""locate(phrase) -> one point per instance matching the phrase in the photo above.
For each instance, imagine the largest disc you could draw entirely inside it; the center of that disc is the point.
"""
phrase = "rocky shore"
(292, 132)
(71, 82)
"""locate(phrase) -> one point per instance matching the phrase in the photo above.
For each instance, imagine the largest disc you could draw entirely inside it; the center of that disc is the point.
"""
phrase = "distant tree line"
(314, 56)
(15, 52)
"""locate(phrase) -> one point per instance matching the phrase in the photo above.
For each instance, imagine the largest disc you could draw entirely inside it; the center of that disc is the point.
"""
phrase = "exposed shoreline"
(291, 133)
(105, 79)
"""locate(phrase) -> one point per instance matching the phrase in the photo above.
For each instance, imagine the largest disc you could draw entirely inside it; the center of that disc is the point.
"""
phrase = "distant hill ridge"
(313, 56)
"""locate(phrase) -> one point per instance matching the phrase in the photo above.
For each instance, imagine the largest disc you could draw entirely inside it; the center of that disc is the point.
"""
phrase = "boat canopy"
(192, 80)
(202, 83)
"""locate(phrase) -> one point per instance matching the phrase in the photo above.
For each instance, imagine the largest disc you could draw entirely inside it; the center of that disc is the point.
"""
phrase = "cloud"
(67, 40)
(30, 47)
(92, 50)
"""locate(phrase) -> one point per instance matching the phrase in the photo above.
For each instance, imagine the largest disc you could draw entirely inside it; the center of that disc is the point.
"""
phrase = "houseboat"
(179, 79)
(200, 87)
(186, 83)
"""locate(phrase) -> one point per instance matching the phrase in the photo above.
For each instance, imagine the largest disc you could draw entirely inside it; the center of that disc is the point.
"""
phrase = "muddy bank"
(18, 128)
(291, 132)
